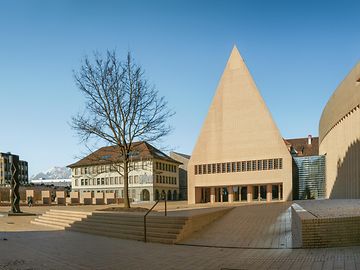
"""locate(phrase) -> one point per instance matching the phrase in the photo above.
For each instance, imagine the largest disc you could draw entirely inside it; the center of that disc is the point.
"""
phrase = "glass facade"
(309, 177)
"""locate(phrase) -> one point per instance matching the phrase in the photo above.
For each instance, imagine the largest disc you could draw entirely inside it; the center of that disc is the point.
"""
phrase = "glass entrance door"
(244, 194)
(205, 195)
(225, 195)
(262, 193)
(236, 195)
(275, 192)
(255, 193)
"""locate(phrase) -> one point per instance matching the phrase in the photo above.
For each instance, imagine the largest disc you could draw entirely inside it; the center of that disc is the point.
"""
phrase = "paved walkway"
(255, 226)
(44, 249)
(71, 250)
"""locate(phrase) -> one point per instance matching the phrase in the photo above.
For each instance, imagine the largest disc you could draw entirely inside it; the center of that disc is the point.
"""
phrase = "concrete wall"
(339, 132)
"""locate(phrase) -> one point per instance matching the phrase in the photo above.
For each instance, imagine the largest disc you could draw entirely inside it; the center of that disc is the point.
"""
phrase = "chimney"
(309, 139)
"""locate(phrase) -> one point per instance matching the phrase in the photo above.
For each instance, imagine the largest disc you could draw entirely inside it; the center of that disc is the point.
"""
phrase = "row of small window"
(107, 181)
(240, 166)
(165, 167)
(111, 168)
(165, 180)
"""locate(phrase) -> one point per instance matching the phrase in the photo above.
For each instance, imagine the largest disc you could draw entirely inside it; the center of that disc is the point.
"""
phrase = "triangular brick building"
(240, 154)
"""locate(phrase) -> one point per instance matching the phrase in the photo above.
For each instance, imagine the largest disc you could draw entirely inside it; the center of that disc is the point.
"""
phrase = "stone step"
(53, 224)
(57, 217)
(139, 222)
(101, 227)
(150, 227)
(64, 216)
(67, 214)
(139, 217)
(122, 236)
(161, 229)
(136, 216)
(122, 232)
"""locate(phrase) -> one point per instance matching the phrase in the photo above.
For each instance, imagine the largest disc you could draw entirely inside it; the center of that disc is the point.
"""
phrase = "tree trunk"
(126, 183)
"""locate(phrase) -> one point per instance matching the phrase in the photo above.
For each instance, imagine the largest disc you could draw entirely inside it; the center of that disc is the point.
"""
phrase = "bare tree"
(121, 107)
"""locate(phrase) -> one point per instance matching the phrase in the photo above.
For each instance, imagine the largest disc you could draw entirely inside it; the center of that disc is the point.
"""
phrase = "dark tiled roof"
(182, 155)
(111, 154)
(302, 148)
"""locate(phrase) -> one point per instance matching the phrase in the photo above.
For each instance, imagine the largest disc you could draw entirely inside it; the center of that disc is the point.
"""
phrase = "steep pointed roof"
(235, 60)
(238, 121)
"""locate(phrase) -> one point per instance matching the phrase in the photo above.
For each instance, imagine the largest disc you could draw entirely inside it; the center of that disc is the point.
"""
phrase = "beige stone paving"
(256, 226)
(70, 250)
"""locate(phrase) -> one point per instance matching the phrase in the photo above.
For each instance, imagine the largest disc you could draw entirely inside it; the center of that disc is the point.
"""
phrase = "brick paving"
(71, 250)
(40, 249)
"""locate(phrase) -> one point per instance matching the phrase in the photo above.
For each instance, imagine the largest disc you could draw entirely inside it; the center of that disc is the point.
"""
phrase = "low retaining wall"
(310, 231)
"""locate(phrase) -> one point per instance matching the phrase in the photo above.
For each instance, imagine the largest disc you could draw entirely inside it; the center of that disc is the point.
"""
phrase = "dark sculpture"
(15, 184)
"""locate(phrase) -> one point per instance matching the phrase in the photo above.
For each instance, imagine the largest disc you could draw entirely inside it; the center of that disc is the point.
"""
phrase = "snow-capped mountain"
(54, 173)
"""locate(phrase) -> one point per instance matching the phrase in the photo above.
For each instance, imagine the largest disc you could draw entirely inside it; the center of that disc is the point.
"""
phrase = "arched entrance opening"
(145, 195)
(175, 195)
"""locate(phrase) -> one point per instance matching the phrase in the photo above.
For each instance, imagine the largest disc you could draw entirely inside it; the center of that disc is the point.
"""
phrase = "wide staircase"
(60, 219)
(159, 228)
(126, 226)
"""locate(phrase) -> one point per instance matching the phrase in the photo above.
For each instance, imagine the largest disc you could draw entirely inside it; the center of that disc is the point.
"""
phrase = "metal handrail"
(148, 212)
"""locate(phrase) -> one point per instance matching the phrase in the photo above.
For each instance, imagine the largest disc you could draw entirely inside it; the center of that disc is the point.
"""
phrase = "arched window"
(145, 195)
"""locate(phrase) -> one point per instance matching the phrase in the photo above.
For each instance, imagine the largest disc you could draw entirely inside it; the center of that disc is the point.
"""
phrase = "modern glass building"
(309, 177)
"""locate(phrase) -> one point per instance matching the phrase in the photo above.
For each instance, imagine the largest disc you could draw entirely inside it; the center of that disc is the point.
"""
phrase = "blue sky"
(297, 51)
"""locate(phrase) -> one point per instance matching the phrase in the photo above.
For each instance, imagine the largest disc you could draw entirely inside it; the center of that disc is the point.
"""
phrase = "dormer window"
(293, 151)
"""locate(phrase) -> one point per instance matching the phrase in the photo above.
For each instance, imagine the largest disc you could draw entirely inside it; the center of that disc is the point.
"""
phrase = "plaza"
(180, 135)
(239, 245)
